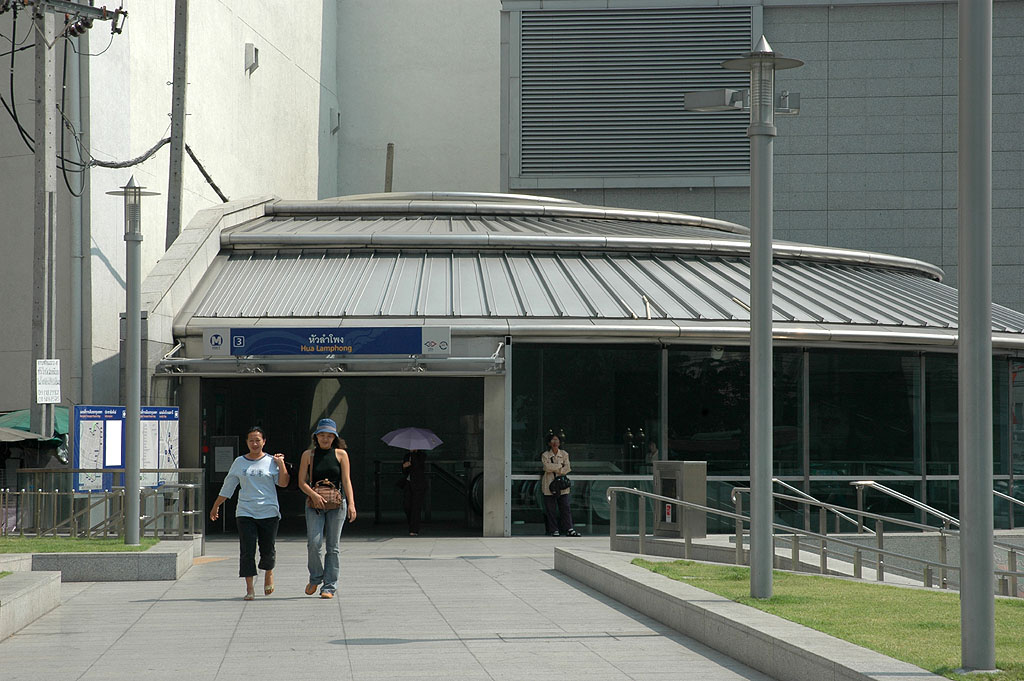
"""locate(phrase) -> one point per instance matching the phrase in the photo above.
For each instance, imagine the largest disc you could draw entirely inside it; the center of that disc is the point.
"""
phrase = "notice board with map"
(100, 445)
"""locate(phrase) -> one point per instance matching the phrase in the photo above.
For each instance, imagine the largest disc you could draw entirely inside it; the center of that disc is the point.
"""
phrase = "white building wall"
(425, 76)
(255, 134)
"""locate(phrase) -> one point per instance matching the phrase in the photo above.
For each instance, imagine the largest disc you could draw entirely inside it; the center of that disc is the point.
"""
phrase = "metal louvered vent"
(602, 91)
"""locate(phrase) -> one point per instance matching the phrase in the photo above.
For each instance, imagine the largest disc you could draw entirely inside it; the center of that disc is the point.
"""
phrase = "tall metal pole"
(132, 194)
(133, 360)
(179, 86)
(762, 64)
(974, 177)
(45, 256)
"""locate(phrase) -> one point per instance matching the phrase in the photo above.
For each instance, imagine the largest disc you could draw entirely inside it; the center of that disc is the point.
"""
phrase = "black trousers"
(253, 532)
(557, 515)
(412, 502)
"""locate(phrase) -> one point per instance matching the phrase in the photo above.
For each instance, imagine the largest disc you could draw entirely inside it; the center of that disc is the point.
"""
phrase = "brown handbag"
(331, 495)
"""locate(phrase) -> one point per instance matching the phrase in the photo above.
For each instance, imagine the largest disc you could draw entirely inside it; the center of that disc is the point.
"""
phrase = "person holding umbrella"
(414, 470)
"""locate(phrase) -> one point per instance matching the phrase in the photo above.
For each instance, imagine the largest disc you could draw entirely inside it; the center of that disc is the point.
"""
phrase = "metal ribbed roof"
(306, 283)
(537, 263)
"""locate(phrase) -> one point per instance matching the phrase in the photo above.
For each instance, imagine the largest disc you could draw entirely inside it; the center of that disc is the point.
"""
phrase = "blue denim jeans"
(324, 528)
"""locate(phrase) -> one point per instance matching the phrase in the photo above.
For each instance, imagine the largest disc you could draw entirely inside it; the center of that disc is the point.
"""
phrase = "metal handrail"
(1008, 578)
(920, 505)
(805, 495)
(841, 509)
(865, 514)
(945, 517)
(1008, 497)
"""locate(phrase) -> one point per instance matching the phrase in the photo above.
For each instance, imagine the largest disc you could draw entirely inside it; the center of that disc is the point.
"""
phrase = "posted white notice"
(47, 381)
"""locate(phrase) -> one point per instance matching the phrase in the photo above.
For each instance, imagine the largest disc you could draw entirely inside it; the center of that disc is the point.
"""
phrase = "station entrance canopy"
(491, 266)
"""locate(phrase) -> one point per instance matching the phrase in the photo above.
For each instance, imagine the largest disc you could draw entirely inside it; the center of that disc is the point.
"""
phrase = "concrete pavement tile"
(465, 608)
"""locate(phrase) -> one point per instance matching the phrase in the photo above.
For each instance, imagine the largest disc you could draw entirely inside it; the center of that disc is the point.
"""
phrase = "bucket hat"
(326, 426)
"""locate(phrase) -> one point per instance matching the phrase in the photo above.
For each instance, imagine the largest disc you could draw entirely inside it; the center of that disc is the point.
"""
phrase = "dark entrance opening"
(365, 408)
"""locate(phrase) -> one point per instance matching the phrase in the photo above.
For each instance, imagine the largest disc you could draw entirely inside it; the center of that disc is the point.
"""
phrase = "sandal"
(573, 533)
(249, 596)
(268, 583)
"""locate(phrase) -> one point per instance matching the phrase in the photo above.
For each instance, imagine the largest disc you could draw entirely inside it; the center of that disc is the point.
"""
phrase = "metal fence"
(47, 502)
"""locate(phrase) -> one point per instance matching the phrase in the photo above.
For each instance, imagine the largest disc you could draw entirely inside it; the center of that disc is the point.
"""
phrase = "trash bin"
(685, 480)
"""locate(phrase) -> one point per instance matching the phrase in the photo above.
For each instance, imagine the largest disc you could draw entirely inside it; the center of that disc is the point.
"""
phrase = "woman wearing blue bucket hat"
(325, 460)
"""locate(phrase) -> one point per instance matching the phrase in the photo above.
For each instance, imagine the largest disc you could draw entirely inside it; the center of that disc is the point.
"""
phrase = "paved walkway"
(408, 608)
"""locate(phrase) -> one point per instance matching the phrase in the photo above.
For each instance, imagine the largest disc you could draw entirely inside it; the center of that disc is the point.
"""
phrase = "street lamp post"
(974, 221)
(762, 63)
(132, 194)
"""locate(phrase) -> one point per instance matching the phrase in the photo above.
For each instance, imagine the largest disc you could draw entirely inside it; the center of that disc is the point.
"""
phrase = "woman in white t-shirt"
(257, 514)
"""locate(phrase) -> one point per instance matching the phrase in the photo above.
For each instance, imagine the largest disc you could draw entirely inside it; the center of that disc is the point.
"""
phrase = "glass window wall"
(862, 408)
(602, 401)
(864, 420)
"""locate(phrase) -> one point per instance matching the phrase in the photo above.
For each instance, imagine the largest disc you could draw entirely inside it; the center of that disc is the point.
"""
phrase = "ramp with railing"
(831, 553)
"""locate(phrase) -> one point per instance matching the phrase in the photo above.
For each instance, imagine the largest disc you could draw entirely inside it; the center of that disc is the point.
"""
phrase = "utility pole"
(44, 256)
(178, 89)
(79, 18)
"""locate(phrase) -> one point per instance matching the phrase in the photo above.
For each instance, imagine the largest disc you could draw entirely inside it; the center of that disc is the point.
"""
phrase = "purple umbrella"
(412, 438)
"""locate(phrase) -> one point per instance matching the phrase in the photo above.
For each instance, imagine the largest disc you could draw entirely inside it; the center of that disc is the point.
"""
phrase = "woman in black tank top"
(326, 460)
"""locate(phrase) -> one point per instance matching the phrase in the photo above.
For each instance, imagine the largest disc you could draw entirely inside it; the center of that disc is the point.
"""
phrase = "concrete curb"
(26, 596)
(34, 587)
(779, 648)
(168, 560)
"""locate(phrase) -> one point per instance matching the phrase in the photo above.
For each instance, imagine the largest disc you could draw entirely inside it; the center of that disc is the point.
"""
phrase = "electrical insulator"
(80, 26)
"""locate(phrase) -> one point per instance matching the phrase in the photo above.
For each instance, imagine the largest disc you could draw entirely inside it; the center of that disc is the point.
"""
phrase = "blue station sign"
(347, 341)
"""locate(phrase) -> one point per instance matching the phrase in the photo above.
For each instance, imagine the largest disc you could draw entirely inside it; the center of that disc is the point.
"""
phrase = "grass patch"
(69, 544)
(3, 574)
(916, 626)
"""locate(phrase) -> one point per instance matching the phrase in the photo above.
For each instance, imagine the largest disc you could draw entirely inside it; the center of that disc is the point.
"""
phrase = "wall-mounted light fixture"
(252, 58)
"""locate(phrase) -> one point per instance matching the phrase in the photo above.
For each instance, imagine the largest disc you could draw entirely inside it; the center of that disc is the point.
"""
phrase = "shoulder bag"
(559, 483)
(330, 494)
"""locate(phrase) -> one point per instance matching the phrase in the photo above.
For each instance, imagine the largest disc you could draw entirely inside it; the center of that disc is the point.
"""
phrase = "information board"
(100, 445)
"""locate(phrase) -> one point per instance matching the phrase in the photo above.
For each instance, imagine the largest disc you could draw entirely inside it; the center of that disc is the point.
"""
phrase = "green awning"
(19, 421)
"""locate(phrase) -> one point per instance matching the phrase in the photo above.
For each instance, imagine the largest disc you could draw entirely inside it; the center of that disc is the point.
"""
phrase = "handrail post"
(943, 577)
(858, 563)
(796, 551)
(880, 565)
(860, 507)
(613, 527)
(56, 498)
(738, 501)
(1012, 564)
(823, 528)
(641, 523)
(687, 539)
